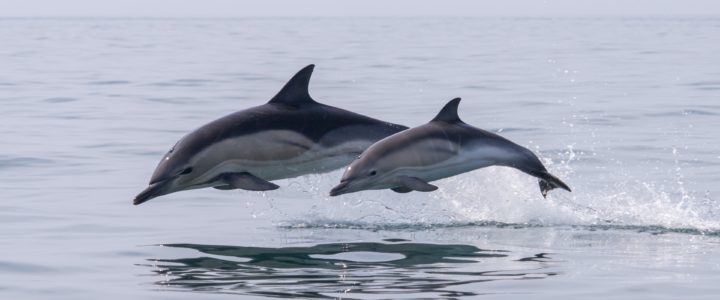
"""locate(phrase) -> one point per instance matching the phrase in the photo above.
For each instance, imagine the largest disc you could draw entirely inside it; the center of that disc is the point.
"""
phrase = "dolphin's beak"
(339, 189)
(152, 191)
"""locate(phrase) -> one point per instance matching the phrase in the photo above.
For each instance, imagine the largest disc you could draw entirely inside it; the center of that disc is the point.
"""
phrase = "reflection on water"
(345, 270)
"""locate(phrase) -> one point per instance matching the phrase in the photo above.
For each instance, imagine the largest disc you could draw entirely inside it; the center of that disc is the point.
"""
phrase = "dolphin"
(289, 136)
(444, 147)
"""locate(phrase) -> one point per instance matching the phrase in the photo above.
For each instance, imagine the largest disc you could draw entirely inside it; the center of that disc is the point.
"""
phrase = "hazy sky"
(260, 8)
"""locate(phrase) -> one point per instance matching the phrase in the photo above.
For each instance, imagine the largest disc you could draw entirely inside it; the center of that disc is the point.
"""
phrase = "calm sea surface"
(625, 110)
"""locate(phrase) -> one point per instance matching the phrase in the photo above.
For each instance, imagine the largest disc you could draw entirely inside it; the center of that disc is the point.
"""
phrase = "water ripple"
(109, 82)
(652, 229)
(705, 85)
(60, 99)
(23, 162)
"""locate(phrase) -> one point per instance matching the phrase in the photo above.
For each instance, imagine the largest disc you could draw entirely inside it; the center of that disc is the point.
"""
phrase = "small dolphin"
(408, 160)
(289, 136)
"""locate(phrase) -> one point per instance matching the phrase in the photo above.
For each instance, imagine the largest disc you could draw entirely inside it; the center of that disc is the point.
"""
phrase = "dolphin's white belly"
(274, 155)
(466, 160)
(319, 160)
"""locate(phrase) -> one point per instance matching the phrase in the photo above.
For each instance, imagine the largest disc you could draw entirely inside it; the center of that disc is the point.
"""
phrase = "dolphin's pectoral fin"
(247, 181)
(401, 190)
(415, 184)
(224, 187)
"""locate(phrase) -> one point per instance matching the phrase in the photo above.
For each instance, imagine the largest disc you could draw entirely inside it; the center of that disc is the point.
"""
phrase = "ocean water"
(625, 110)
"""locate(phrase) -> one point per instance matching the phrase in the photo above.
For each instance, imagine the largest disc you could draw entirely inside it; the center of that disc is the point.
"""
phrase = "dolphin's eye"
(186, 171)
(373, 172)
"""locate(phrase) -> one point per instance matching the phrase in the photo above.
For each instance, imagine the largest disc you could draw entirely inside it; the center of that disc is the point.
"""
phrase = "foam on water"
(501, 196)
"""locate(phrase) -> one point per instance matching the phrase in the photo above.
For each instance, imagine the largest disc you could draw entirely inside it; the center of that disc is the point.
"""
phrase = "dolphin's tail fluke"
(529, 163)
(548, 182)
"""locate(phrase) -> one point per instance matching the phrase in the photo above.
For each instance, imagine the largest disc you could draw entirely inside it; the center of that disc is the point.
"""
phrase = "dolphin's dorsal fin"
(295, 92)
(449, 112)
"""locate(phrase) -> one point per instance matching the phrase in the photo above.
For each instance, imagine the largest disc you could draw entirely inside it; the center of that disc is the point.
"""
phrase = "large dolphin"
(289, 136)
(408, 160)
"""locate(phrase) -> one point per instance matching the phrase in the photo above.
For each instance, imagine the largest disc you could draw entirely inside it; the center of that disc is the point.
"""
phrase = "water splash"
(504, 196)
